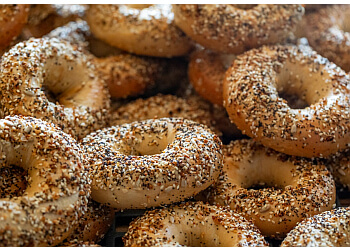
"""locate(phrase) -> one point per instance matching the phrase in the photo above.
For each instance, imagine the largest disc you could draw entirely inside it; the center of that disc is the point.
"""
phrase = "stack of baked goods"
(217, 120)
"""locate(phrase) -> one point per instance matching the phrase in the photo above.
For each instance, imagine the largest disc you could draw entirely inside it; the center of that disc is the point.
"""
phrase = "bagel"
(160, 106)
(94, 224)
(328, 32)
(206, 72)
(292, 188)
(314, 7)
(339, 165)
(312, 122)
(192, 224)
(78, 32)
(58, 185)
(54, 81)
(148, 31)
(328, 229)
(13, 17)
(152, 162)
(45, 17)
(192, 108)
(229, 29)
(126, 75)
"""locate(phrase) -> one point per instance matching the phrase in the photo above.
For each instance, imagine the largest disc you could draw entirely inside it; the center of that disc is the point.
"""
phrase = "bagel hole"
(51, 96)
(67, 82)
(301, 86)
(141, 145)
(13, 181)
(294, 101)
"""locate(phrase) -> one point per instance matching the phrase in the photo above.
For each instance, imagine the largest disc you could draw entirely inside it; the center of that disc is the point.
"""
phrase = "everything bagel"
(143, 30)
(233, 29)
(328, 229)
(193, 224)
(152, 162)
(53, 80)
(58, 185)
(328, 32)
(290, 99)
(292, 188)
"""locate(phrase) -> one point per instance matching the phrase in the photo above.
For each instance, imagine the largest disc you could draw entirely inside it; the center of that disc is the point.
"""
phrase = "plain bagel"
(152, 162)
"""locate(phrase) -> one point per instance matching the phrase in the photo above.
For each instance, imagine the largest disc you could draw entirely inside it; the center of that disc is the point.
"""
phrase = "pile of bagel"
(228, 124)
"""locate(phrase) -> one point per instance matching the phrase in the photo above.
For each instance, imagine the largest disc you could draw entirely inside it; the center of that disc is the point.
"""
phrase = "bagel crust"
(328, 229)
(58, 186)
(94, 224)
(146, 31)
(206, 72)
(152, 162)
(230, 29)
(125, 74)
(161, 106)
(328, 32)
(43, 18)
(293, 187)
(193, 224)
(252, 90)
(339, 165)
(53, 80)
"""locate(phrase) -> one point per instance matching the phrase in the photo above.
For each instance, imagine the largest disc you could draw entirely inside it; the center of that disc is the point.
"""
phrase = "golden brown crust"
(226, 28)
(293, 187)
(54, 81)
(152, 162)
(328, 33)
(252, 90)
(58, 186)
(206, 72)
(192, 224)
(128, 75)
(13, 17)
(153, 31)
(328, 229)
